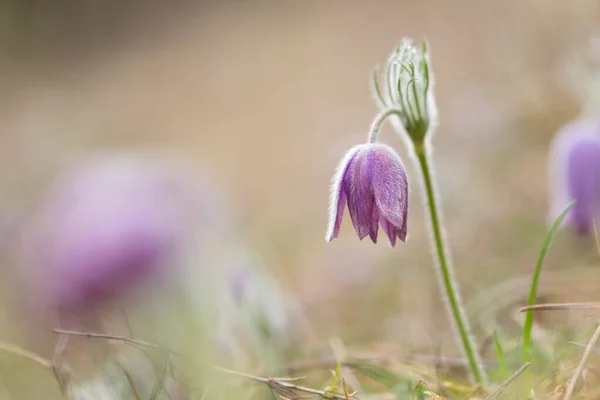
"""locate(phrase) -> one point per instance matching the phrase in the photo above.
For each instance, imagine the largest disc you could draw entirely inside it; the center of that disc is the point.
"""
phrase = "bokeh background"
(264, 97)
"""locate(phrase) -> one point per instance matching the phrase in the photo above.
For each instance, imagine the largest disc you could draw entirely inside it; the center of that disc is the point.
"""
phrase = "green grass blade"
(501, 357)
(534, 282)
(378, 373)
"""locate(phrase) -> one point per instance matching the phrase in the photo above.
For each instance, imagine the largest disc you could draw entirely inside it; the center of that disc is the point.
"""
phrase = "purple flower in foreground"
(575, 173)
(372, 180)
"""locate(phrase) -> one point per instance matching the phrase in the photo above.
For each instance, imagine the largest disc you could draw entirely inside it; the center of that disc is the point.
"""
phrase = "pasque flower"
(105, 227)
(575, 173)
(371, 179)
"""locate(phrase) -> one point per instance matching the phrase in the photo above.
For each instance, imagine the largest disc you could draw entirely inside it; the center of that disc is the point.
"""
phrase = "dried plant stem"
(9, 348)
(277, 384)
(561, 306)
(44, 362)
(448, 283)
(586, 354)
(508, 381)
(127, 340)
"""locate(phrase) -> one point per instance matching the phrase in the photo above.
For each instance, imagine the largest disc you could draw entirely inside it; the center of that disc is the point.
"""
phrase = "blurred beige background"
(267, 96)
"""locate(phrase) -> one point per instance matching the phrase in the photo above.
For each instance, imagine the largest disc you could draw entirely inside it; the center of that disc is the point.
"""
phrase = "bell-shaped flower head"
(575, 173)
(372, 180)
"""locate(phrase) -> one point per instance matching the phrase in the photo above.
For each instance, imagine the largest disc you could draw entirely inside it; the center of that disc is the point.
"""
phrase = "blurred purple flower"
(372, 180)
(575, 173)
(106, 227)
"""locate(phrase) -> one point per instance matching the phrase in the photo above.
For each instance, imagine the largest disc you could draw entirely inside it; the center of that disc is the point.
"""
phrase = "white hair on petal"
(336, 187)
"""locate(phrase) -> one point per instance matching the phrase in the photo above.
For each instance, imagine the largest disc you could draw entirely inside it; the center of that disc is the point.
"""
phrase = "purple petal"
(391, 231)
(374, 225)
(403, 229)
(358, 187)
(339, 213)
(583, 182)
(338, 197)
(390, 184)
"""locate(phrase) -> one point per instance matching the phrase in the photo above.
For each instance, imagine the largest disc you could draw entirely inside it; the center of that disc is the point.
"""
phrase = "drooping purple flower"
(104, 228)
(575, 174)
(372, 180)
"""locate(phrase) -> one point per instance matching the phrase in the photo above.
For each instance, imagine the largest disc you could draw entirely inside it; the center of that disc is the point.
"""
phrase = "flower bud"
(409, 90)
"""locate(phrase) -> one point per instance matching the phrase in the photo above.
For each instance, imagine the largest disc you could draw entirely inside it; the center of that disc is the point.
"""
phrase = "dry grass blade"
(582, 345)
(290, 379)
(12, 349)
(508, 381)
(279, 386)
(130, 341)
(561, 306)
(586, 354)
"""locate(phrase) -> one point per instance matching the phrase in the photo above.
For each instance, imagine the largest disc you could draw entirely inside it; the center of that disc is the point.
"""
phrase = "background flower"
(112, 223)
(574, 173)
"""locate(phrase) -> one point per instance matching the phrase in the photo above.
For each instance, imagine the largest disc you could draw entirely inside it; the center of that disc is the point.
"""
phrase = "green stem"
(378, 120)
(446, 273)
